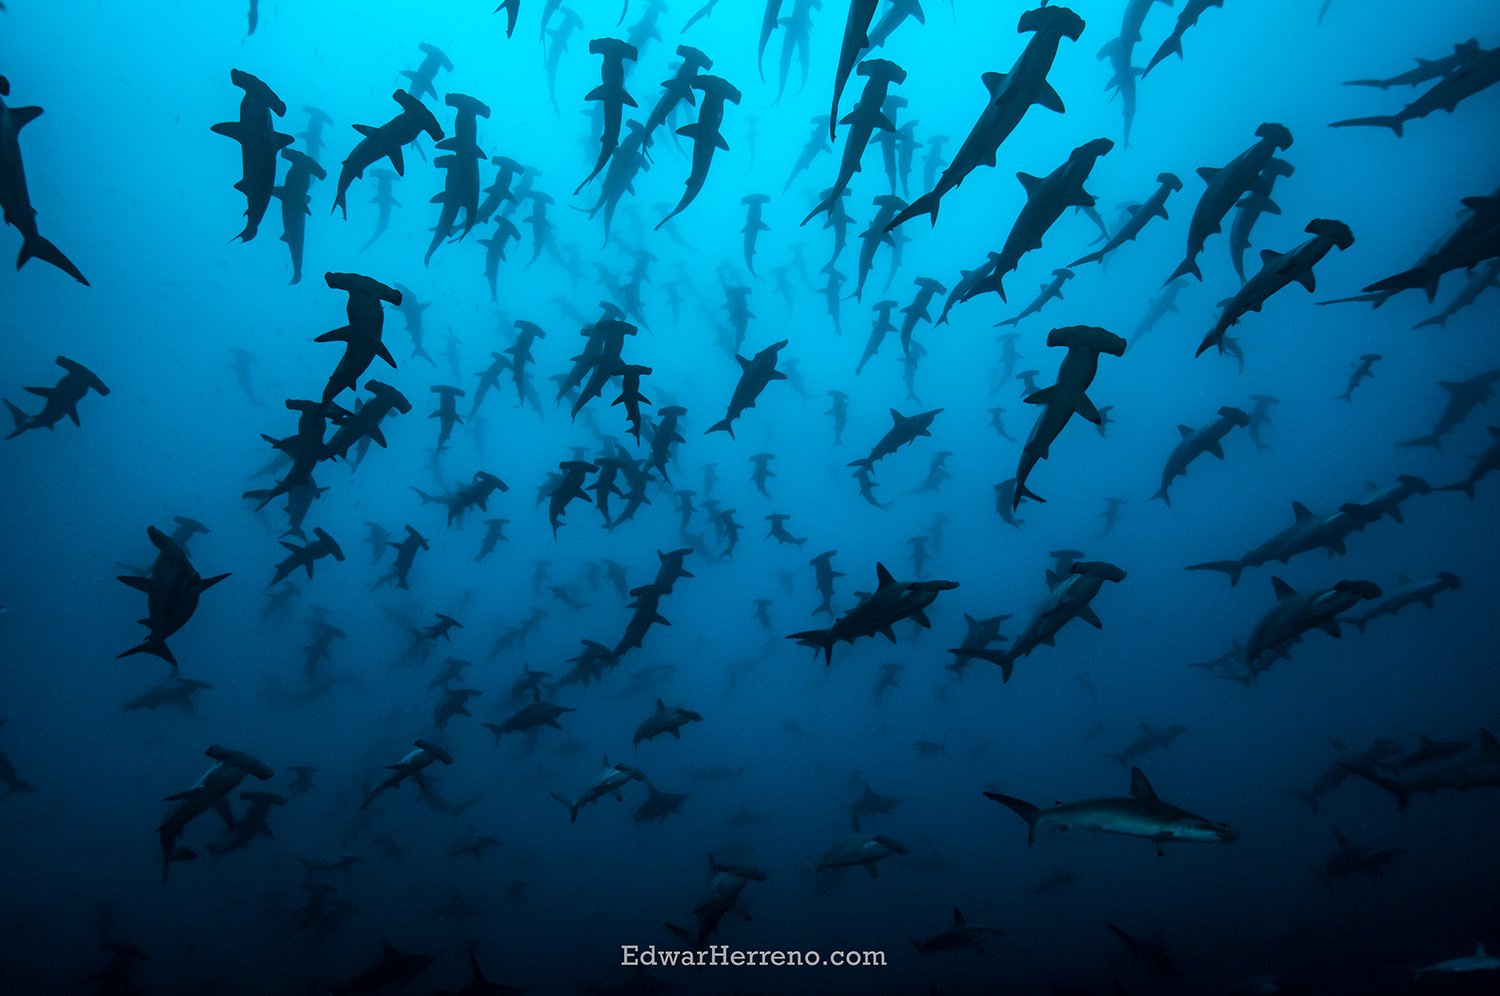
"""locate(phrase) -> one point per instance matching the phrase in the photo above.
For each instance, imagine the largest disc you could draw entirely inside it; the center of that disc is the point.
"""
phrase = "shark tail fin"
(818, 639)
(22, 420)
(1229, 567)
(722, 425)
(1432, 440)
(927, 204)
(153, 646)
(1004, 659)
(1186, 267)
(1022, 491)
(1390, 121)
(37, 247)
(1024, 810)
(1400, 790)
(572, 807)
(1467, 487)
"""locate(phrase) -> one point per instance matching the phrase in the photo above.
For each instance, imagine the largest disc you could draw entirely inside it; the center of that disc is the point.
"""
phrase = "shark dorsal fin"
(958, 918)
(1282, 588)
(883, 577)
(1140, 788)
(1184, 431)
(1300, 511)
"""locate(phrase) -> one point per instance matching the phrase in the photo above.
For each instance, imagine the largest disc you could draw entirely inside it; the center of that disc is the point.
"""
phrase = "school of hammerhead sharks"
(634, 461)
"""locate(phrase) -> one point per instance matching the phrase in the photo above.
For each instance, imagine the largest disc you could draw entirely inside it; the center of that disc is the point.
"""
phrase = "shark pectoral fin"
(229, 129)
(1161, 840)
(1048, 98)
(22, 116)
(385, 354)
(1087, 614)
(1307, 279)
(221, 806)
(1086, 408)
(874, 872)
(1216, 450)
(1331, 627)
(1042, 397)
(397, 162)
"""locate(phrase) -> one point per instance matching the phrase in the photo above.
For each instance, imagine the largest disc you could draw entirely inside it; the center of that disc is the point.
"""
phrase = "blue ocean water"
(199, 338)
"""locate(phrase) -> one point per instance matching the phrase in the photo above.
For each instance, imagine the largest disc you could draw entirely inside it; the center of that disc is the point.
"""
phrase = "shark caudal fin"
(1093, 257)
(23, 421)
(1004, 658)
(927, 204)
(1390, 121)
(572, 806)
(1229, 567)
(1024, 810)
(1022, 491)
(153, 646)
(1467, 487)
(1400, 790)
(722, 425)
(1433, 440)
(817, 639)
(1186, 267)
(34, 246)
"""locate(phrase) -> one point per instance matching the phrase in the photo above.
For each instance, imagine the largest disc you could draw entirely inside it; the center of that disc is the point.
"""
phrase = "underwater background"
(199, 338)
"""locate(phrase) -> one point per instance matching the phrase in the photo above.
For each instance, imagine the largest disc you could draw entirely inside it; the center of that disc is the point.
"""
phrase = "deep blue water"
(131, 184)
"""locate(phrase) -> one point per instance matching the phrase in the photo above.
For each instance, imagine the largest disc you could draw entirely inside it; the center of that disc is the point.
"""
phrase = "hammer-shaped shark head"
(1056, 20)
(1278, 135)
(1087, 337)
